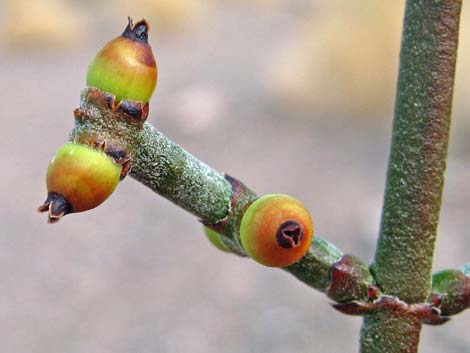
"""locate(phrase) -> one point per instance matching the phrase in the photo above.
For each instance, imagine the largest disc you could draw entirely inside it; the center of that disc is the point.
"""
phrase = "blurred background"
(246, 86)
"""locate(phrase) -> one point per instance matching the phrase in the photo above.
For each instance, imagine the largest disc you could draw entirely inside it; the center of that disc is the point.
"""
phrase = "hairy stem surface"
(415, 177)
(402, 264)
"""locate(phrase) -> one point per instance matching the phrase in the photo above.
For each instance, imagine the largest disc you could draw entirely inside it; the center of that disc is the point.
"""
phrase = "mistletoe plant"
(397, 293)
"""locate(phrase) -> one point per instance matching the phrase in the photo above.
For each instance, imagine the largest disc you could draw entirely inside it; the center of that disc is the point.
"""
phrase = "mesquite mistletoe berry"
(276, 230)
(215, 239)
(78, 179)
(126, 66)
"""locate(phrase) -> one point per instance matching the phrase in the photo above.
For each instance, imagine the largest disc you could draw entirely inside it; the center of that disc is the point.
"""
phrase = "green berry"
(215, 239)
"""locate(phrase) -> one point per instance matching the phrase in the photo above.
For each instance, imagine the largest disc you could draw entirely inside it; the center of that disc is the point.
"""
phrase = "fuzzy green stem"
(415, 178)
(157, 162)
(391, 331)
(314, 269)
(175, 174)
(403, 261)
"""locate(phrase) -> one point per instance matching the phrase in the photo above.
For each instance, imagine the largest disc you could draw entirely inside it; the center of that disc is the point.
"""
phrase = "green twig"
(403, 260)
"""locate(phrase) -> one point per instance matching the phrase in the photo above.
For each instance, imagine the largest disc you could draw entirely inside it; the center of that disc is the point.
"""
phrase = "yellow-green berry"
(126, 67)
(78, 179)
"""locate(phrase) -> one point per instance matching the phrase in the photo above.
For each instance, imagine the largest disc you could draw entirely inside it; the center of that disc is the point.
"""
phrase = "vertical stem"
(377, 335)
(415, 178)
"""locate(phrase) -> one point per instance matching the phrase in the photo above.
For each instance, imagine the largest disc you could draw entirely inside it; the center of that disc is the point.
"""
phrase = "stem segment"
(415, 178)
(167, 169)
(178, 176)
(157, 162)
(377, 335)
(403, 261)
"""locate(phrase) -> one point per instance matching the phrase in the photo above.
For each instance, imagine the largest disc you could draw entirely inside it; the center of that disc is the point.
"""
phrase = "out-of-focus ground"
(289, 96)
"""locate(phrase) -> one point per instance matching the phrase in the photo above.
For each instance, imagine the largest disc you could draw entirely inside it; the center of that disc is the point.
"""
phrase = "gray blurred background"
(289, 96)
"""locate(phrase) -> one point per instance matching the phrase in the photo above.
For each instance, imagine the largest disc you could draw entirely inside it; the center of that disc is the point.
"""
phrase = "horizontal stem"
(218, 200)
(156, 161)
(175, 174)
(314, 269)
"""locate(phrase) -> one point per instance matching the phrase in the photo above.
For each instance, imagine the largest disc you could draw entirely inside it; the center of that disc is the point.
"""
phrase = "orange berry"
(276, 230)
